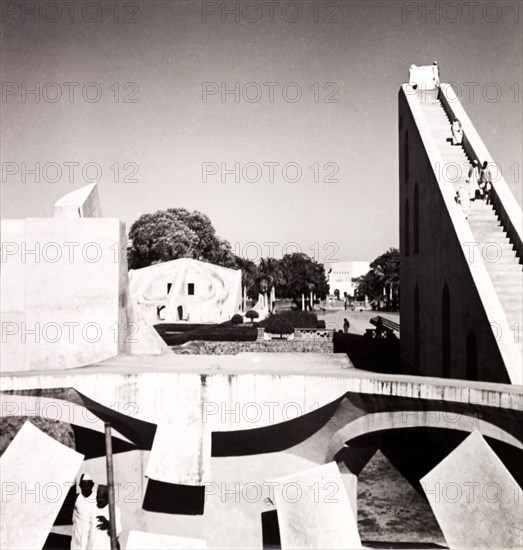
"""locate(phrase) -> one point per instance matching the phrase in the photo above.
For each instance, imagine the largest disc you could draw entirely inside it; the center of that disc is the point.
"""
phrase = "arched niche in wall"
(471, 358)
(445, 332)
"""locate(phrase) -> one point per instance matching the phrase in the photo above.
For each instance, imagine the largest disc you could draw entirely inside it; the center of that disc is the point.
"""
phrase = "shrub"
(299, 319)
(279, 325)
(252, 314)
(211, 333)
(237, 319)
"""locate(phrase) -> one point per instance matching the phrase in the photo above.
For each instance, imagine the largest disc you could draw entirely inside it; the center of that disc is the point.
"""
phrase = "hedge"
(279, 325)
(299, 319)
(211, 333)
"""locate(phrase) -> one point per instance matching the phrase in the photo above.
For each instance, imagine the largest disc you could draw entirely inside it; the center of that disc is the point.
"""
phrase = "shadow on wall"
(375, 355)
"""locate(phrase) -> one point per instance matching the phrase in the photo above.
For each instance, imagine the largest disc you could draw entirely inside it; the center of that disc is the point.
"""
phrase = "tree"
(252, 314)
(176, 233)
(383, 279)
(301, 274)
(160, 237)
(249, 275)
(369, 285)
(387, 268)
(221, 254)
(270, 270)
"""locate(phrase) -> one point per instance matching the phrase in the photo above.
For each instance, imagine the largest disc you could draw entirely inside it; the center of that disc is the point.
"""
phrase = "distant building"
(342, 276)
(186, 290)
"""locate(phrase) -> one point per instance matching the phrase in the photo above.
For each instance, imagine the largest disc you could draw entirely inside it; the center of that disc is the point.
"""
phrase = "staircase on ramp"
(495, 249)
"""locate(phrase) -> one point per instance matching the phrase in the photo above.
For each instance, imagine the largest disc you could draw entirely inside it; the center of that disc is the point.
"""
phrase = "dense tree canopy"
(301, 275)
(382, 281)
(176, 233)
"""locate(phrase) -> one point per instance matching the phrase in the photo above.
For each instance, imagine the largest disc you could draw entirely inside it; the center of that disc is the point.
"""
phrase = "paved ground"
(391, 511)
(359, 321)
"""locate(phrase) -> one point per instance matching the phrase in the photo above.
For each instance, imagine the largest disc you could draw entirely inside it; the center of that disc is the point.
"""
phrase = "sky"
(130, 93)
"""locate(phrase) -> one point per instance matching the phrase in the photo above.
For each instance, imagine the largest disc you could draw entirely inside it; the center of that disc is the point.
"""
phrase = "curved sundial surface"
(186, 290)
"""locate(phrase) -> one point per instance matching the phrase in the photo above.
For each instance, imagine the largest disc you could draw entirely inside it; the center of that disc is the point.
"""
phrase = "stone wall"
(63, 292)
(267, 346)
(210, 400)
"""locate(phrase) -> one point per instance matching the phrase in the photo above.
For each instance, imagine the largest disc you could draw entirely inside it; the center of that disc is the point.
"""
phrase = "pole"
(110, 485)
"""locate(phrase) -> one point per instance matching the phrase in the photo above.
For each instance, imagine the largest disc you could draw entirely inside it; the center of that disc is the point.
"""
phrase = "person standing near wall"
(99, 538)
(472, 180)
(485, 182)
(83, 508)
(435, 72)
(463, 199)
(457, 132)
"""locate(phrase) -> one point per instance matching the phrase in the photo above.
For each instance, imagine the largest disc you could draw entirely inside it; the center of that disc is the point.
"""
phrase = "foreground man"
(99, 538)
(83, 509)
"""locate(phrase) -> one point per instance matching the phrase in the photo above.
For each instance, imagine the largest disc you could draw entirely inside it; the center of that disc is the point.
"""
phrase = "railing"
(503, 200)
(306, 334)
(386, 323)
(313, 334)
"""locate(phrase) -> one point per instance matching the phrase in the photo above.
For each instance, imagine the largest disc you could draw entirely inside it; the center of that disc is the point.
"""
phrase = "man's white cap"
(86, 477)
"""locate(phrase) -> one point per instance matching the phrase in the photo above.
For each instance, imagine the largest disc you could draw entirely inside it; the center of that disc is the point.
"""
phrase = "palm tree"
(386, 267)
(249, 274)
(271, 274)
(312, 288)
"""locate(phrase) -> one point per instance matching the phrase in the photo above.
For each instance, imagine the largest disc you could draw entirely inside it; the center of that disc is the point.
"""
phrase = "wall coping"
(336, 380)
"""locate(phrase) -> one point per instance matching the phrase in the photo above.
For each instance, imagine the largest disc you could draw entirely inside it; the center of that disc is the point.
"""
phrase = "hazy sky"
(162, 60)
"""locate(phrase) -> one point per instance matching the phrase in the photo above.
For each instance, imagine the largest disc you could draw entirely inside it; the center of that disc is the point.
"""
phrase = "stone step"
(490, 236)
(494, 234)
(484, 226)
(480, 229)
(513, 299)
(487, 238)
(500, 280)
(507, 272)
(512, 278)
(482, 213)
(455, 162)
(512, 270)
(510, 265)
(484, 209)
(505, 251)
(514, 291)
(512, 314)
(486, 206)
(446, 149)
(489, 246)
(501, 262)
(481, 218)
(512, 303)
